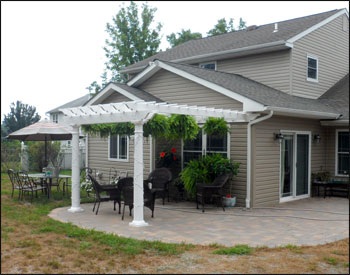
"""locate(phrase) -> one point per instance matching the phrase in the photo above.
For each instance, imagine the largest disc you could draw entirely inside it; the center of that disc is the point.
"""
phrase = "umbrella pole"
(45, 151)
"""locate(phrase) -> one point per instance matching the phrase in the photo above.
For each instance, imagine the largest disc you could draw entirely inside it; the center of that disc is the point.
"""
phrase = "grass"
(238, 249)
(44, 245)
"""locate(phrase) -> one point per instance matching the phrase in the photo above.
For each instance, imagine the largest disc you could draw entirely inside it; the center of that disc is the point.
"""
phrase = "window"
(204, 145)
(312, 69)
(55, 118)
(118, 148)
(342, 153)
(209, 65)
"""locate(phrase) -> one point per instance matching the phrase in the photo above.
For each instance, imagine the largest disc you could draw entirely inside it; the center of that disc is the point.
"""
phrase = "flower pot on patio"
(229, 202)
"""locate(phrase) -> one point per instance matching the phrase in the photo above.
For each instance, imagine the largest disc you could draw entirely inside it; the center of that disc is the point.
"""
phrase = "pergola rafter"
(137, 112)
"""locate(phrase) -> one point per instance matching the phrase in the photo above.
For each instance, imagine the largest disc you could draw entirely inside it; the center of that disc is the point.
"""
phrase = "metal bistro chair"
(15, 182)
(29, 185)
(214, 190)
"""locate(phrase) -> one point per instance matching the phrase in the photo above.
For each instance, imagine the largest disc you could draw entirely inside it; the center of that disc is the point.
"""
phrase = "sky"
(52, 51)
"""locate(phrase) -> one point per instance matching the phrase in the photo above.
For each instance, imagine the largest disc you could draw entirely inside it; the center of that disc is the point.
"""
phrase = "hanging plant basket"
(216, 126)
(182, 126)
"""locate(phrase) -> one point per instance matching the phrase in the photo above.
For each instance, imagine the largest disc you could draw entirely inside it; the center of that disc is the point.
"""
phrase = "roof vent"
(276, 27)
(250, 28)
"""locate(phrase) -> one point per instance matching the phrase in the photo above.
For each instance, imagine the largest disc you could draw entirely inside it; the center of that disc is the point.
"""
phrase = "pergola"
(138, 113)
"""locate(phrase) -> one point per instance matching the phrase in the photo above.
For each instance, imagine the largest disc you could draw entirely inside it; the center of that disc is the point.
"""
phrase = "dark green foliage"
(216, 126)
(182, 126)
(205, 170)
(36, 153)
(224, 27)
(181, 37)
(104, 130)
(10, 155)
(158, 126)
(20, 116)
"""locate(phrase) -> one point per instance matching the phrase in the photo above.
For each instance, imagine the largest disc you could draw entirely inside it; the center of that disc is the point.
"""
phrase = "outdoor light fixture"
(317, 138)
(279, 137)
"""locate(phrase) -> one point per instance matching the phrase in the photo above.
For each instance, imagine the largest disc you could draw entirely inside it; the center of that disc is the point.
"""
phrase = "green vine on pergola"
(160, 126)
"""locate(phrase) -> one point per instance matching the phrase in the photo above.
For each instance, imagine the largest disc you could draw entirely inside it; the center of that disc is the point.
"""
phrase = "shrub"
(36, 153)
(10, 155)
(205, 170)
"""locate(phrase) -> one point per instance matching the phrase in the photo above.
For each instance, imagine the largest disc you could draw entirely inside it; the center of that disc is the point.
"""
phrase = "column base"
(75, 209)
(138, 223)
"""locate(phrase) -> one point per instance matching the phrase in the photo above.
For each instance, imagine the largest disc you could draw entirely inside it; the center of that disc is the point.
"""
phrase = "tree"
(130, 40)
(21, 115)
(181, 37)
(223, 27)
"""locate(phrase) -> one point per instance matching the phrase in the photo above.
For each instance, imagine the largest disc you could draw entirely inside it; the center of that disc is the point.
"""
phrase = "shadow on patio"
(305, 222)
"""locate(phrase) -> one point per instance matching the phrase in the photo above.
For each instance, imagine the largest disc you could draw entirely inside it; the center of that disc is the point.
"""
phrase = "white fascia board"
(303, 113)
(319, 25)
(106, 91)
(335, 122)
(248, 104)
(144, 75)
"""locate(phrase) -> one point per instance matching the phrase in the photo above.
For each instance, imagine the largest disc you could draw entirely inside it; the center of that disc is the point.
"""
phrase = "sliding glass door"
(295, 165)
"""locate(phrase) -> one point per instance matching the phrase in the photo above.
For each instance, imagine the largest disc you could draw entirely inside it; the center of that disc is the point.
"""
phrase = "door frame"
(294, 197)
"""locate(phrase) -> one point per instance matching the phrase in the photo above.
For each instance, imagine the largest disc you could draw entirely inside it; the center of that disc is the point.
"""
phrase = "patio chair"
(15, 182)
(128, 196)
(214, 190)
(29, 185)
(113, 193)
(160, 179)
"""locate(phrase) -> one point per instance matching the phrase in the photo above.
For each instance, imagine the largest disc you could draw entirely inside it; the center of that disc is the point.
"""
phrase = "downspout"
(249, 153)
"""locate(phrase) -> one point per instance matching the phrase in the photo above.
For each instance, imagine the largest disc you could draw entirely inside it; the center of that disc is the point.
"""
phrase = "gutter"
(304, 113)
(249, 150)
(209, 55)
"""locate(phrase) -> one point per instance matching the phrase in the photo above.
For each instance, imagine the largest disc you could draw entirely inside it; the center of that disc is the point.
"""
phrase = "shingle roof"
(255, 90)
(138, 92)
(239, 39)
(74, 103)
(338, 97)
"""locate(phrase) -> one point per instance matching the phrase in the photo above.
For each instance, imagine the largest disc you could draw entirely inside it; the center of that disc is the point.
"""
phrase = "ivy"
(216, 126)
(106, 129)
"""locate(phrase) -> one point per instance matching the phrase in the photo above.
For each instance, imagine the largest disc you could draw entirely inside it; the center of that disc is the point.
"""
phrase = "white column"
(75, 172)
(138, 177)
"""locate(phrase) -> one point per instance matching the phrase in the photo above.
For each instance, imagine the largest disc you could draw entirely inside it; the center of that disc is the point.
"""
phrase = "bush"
(205, 170)
(36, 153)
(10, 155)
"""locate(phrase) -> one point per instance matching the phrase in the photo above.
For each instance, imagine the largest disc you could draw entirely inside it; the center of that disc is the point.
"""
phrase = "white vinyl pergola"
(138, 113)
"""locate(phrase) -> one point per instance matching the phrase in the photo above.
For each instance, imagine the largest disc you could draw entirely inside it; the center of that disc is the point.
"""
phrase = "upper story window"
(312, 68)
(208, 65)
(55, 118)
(118, 148)
(342, 153)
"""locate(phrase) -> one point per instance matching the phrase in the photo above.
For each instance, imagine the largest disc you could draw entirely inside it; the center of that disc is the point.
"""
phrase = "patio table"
(48, 180)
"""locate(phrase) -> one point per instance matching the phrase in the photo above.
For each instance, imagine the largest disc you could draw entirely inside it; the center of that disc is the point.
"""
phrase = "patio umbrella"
(43, 130)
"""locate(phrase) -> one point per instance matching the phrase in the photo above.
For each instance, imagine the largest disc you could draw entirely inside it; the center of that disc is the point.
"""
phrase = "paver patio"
(304, 222)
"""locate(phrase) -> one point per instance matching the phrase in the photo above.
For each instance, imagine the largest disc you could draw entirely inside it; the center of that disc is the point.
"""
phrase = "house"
(56, 116)
(292, 75)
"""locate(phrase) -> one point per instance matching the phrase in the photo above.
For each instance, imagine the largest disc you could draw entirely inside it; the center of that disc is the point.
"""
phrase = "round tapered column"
(75, 172)
(138, 177)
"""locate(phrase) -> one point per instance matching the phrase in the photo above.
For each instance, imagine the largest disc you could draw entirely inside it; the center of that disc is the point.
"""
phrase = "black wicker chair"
(128, 196)
(214, 190)
(113, 193)
(160, 179)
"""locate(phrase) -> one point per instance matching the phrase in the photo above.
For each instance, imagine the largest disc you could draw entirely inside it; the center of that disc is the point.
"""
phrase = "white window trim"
(204, 146)
(127, 150)
(55, 118)
(211, 62)
(336, 153)
(307, 67)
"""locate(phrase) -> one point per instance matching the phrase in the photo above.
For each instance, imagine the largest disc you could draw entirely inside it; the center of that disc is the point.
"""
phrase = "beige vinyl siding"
(238, 153)
(271, 69)
(266, 155)
(98, 157)
(172, 88)
(330, 149)
(330, 44)
(115, 98)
